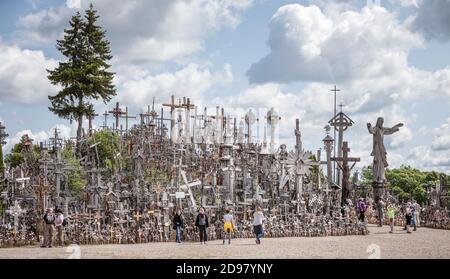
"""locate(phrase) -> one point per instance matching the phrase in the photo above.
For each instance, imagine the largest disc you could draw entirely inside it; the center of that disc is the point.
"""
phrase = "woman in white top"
(258, 218)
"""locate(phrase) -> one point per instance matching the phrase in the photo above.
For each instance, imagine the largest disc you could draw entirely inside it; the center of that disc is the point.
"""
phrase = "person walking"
(228, 225)
(49, 223)
(413, 211)
(361, 208)
(59, 220)
(391, 216)
(258, 218)
(408, 216)
(202, 223)
(178, 225)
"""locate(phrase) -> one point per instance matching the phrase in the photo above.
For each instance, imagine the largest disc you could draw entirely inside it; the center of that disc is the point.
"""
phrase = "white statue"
(378, 150)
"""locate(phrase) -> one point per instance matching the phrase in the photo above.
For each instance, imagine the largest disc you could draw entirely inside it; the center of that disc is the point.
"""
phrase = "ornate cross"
(41, 192)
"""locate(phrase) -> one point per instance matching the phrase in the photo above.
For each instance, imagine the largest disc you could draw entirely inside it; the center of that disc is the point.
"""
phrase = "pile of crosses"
(182, 160)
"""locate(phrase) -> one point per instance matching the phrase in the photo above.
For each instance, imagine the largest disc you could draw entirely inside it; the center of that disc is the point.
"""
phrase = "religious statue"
(378, 150)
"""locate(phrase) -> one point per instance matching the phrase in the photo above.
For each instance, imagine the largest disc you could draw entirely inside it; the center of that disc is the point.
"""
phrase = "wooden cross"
(344, 166)
(126, 118)
(91, 117)
(117, 113)
(137, 216)
(41, 192)
(16, 211)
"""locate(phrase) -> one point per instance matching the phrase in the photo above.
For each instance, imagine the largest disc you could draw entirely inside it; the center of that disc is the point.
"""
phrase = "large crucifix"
(341, 122)
(41, 191)
(342, 163)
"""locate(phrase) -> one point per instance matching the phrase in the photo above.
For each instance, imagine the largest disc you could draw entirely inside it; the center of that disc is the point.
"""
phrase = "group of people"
(229, 225)
(53, 222)
(411, 215)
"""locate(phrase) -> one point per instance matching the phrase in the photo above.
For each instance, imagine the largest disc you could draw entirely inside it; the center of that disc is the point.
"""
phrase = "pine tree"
(84, 76)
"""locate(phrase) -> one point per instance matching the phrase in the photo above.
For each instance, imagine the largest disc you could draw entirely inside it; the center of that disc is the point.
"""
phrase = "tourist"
(413, 211)
(49, 222)
(202, 223)
(178, 225)
(409, 216)
(361, 208)
(391, 216)
(228, 225)
(380, 209)
(59, 220)
(258, 218)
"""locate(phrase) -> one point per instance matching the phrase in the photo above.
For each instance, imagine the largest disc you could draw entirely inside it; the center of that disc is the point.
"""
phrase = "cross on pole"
(105, 124)
(126, 118)
(117, 113)
(346, 169)
(335, 90)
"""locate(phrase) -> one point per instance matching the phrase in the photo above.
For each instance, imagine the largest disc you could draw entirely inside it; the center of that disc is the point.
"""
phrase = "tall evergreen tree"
(84, 76)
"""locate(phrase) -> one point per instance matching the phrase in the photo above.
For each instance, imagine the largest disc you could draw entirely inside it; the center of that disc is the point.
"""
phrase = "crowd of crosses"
(189, 160)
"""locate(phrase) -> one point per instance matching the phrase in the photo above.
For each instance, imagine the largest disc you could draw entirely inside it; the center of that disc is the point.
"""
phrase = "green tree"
(15, 157)
(107, 147)
(76, 181)
(84, 76)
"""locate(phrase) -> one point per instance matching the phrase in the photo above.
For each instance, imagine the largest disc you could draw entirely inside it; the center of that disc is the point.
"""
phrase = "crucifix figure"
(345, 168)
(378, 149)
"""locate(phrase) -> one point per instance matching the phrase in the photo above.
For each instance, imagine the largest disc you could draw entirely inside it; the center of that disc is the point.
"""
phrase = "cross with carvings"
(44, 162)
(59, 168)
(16, 211)
(343, 164)
(56, 141)
(41, 190)
(117, 113)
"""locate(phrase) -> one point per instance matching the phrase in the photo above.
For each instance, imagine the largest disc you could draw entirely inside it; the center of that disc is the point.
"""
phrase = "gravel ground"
(425, 243)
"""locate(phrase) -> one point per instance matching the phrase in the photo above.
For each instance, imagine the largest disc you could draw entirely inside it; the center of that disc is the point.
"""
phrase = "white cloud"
(23, 76)
(441, 140)
(64, 131)
(309, 45)
(137, 86)
(142, 30)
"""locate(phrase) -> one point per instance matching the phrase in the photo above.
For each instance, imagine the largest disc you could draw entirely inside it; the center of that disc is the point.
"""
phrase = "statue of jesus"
(378, 150)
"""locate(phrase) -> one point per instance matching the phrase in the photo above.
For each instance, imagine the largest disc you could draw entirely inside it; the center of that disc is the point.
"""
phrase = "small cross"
(335, 90)
(341, 105)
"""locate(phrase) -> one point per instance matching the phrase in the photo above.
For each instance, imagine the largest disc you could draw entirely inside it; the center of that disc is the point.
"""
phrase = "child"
(391, 216)
(228, 225)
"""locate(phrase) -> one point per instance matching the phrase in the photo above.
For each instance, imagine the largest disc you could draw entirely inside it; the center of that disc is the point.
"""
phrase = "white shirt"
(258, 218)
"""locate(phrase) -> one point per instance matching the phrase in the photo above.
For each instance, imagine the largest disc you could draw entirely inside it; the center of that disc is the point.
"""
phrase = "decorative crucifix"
(342, 163)
(41, 191)
(16, 211)
(59, 168)
(341, 122)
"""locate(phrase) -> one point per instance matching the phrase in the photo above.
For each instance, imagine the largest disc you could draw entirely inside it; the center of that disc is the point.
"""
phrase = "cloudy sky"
(390, 58)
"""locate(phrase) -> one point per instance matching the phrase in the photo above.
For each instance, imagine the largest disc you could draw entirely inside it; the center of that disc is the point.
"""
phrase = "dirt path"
(425, 243)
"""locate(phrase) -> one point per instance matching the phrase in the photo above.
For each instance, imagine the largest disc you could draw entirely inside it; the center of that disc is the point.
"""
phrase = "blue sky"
(390, 60)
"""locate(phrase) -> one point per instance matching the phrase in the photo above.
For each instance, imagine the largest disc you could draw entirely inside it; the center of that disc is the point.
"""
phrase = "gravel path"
(425, 243)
